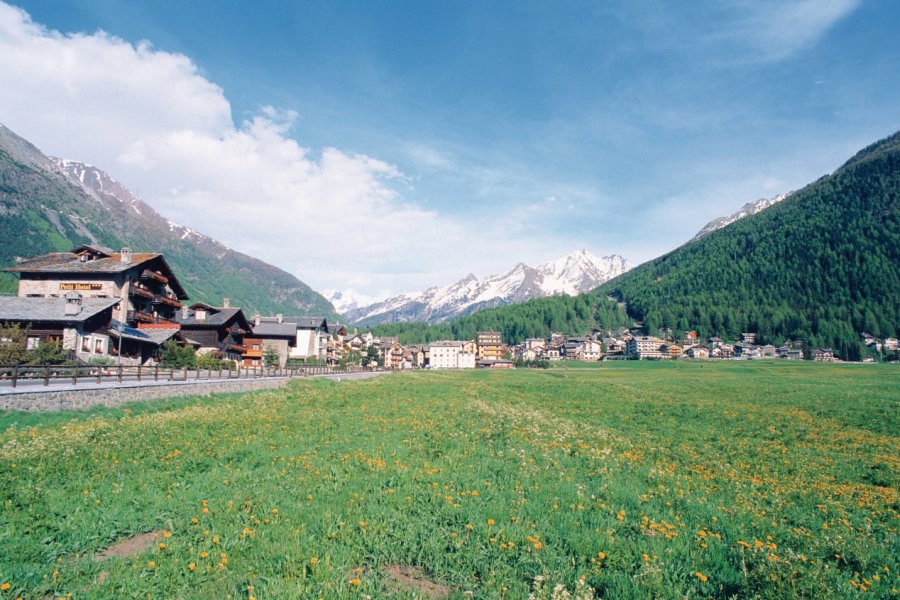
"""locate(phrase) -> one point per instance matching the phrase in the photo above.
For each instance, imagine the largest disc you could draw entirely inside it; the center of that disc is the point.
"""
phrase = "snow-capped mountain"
(578, 272)
(109, 192)
(348, 300)
(207, 268)
(751, 208)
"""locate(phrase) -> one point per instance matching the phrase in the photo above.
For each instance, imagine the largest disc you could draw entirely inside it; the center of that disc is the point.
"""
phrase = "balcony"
(145, 320)
(134, 290)
(148, 274)
(167, 300)
(139, 316)
(159, 323)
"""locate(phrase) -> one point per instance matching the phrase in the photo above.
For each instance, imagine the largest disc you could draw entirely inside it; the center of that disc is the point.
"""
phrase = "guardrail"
(44, 375)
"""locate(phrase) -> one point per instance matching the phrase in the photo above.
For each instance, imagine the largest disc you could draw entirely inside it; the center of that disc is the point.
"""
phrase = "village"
(128, 307)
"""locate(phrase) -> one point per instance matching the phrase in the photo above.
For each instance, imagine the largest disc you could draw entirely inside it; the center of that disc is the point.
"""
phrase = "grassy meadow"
(634, 480)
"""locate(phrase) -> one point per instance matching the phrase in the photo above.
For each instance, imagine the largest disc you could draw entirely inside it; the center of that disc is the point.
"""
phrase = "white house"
(450, 355)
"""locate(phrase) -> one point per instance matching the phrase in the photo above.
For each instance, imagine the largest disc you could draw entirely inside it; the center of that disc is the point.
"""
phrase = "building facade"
(490, 345)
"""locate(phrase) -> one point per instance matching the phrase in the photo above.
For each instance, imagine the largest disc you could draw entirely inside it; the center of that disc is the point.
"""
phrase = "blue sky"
(428, 140)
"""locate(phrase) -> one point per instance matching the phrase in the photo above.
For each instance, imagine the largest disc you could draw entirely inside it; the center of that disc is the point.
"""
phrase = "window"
(32, 343)
(98, 346)
(86, 344)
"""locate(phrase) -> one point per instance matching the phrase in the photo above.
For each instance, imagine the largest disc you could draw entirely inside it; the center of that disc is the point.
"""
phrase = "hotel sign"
(80, 287)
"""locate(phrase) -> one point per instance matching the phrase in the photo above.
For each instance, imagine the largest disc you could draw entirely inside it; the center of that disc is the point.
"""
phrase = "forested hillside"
(821, 267)
(41, 211)
(535, 318)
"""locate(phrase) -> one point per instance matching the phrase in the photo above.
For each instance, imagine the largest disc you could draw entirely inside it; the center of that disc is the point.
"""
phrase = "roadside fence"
(46, 375)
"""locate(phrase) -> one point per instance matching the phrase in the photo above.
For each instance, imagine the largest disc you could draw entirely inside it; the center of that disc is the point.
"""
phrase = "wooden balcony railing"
(134, 290)
(148, 274)
(167, 300)
(140, 316)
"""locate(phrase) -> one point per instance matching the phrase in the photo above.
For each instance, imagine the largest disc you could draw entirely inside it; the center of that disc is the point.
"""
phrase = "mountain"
(821, 266)
(576, 273)
(346, 301)
(751, 208)
(49, 205)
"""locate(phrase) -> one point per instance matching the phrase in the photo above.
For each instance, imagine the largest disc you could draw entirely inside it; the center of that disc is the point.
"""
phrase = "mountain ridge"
(62, 203)
(750, 208)
(820, 268)
(575, 273)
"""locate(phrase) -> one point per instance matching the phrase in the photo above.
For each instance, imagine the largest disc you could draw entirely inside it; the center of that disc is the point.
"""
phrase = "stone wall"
(72, 398)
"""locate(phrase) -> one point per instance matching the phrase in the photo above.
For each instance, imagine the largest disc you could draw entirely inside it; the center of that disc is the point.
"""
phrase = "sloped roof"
(15, 308)
(101, 263)
(267, 328)
(148, 336)
(301, 322)
(445, 344)
(216, 317)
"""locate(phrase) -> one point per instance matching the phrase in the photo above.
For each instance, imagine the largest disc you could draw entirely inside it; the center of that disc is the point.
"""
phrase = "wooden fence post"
(15, 377)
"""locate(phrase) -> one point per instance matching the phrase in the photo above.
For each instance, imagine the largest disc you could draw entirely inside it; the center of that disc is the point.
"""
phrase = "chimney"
(226, 302)
(185, 312)
(73, 304)
(279, 318)
(125, 255)
(256, 320)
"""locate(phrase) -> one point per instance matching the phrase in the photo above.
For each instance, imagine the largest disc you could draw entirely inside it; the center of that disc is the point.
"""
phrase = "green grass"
(665, 480)
(576, 364)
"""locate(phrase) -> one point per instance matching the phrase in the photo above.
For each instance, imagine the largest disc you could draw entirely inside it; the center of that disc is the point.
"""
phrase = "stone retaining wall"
(74, 398)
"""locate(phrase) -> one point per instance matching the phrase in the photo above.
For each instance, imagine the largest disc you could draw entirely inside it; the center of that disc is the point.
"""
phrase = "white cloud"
(776, 29)
(155, 123)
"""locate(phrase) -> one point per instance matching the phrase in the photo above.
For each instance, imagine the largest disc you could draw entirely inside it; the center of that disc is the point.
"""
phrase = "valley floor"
(633, 480)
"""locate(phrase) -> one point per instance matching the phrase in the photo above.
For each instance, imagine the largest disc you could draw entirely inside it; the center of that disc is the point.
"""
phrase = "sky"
(381, 146)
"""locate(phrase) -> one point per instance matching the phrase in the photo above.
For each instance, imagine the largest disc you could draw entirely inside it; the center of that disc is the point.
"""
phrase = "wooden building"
(216, 330)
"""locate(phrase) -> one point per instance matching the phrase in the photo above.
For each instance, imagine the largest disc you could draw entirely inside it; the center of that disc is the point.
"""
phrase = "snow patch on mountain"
(349, 300)
(110, 193)
(573, 274)
(751, 208)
